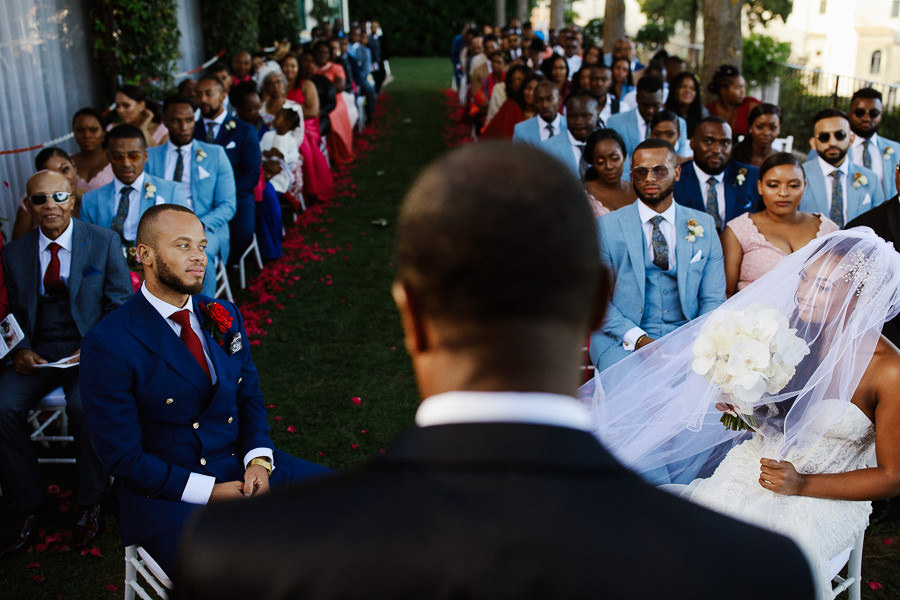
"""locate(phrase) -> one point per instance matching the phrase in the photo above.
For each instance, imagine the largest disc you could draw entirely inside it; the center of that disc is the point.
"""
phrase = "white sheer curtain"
(46, 74)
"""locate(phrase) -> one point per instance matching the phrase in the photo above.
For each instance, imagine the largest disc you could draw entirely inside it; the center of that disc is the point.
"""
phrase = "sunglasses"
(872, 112)
(659, 172)
(58, 197)
(133, 156)
(840, 136)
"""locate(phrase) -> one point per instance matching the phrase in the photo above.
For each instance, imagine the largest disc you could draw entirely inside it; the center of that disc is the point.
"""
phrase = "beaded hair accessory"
(864, 273)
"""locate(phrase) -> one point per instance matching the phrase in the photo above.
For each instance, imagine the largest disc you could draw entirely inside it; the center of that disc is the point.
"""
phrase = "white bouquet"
(747, 353)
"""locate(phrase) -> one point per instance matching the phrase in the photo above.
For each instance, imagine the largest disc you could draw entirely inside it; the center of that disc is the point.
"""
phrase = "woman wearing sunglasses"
(754, 243)
(836, 187)
(51, 159)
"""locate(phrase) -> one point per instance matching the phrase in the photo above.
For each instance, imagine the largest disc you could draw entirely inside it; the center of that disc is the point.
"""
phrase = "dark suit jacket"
(241, 143)
(154, 417)
(483, 511)
(98, 283)
(739, 197)
(884, 219)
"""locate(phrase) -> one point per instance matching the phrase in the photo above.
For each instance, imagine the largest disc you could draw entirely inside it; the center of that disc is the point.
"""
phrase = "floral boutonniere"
(230, 125)
(887, 153)
(741, 176)
(695, 230)
(218, 318)
(200, 154)
(131, 257)
(149, 190)
(859, 180)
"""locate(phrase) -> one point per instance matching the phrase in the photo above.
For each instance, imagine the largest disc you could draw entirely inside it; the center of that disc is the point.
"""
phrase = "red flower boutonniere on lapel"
(219, 319)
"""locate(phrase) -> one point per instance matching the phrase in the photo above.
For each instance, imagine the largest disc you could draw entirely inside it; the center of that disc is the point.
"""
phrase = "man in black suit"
(62, 277)
(241, 144)
(500, 491)
(712, 181)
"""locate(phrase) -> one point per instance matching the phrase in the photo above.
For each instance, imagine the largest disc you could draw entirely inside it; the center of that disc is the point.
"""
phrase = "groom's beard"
(654, 199)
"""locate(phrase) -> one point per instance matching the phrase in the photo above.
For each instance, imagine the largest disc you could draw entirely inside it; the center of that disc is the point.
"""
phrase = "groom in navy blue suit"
(713, 183)
(241, 143)
(178, 422)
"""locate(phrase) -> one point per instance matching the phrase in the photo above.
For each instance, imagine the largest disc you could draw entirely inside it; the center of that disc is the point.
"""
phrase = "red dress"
(340, 138)
(317, 178)
(740, 125)
(504, 122)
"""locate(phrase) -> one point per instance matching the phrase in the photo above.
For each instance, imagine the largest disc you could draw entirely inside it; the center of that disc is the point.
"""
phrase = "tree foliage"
(762, 58)
(278, 20)
(136, 40)
(654, 34)
(759, 12)
(233, 30)
(593, 31)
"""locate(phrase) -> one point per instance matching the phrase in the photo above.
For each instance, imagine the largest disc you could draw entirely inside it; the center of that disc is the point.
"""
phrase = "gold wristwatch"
(262, 461)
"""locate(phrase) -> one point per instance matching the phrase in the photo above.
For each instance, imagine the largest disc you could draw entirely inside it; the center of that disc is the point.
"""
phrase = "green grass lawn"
(334, 336)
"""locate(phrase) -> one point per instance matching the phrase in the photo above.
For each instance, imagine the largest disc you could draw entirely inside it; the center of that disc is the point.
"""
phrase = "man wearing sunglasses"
(869, 149)
(836, 187)
(666, 260)
(118, 205)
(62, 277)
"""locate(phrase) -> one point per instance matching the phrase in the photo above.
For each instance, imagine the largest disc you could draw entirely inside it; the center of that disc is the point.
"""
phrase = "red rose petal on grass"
(291, 429)
(53, 489)
(365, 431)
(354, 446)
(41, 578)
(887, 541)
(111, 587)
(271, 405)
(356, 400)
(382, 450)
(65, 493)
(32, 565)
(64, 548)
(321, 453)
(874, 585)
(277, 418)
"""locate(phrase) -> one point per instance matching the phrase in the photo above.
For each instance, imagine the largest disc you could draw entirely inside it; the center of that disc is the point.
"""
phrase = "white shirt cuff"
(259, 453)
(198, 489)
(631, 337)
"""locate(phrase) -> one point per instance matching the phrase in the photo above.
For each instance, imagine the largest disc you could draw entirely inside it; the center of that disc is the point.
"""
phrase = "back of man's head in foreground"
(499, 234)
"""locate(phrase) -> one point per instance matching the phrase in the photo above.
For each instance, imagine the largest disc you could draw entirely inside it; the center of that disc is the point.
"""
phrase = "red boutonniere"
(220, 320)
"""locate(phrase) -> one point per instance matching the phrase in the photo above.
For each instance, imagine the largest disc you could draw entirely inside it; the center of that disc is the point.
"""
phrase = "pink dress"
(760, 255)
(99, 180)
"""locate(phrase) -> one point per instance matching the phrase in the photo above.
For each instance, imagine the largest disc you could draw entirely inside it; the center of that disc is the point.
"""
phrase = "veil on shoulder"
(657, 413)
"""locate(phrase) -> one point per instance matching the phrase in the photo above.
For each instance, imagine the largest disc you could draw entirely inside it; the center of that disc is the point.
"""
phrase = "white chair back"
(139, 561)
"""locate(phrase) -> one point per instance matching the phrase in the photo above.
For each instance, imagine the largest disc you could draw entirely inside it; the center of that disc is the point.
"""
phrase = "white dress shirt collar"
(646, 213)
(577, 147)
(703, 176)
(64, 240)
(137, 185)
(542, 125)
(503, 407)
(642, 125)
(165, 309)
(828, 168)
(173, 149)
(220, 119)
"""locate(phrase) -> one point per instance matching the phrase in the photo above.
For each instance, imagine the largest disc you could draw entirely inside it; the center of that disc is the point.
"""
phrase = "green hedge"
(423, 27)
(278, 20)
(233, 27)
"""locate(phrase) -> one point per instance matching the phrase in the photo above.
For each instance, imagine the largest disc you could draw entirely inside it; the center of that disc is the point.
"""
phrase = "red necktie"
(52, 283)
(190, 339)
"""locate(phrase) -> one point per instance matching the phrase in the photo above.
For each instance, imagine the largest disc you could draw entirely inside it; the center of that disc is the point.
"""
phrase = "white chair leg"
(222, 284)
(254, 248)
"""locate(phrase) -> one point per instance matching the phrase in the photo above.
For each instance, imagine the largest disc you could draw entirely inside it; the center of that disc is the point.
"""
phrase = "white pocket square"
(230, 145)
(203, 172)
(867, 199)
(697, 256)
(159, 200)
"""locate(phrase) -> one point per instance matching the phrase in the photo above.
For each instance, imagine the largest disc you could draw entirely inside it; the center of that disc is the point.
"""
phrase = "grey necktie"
(179, 165)
(549, 130)
(210, 132)
(712, 202)
(647, 134)
(660, 246)
(866, 157)
(837, 199)
(118, 222)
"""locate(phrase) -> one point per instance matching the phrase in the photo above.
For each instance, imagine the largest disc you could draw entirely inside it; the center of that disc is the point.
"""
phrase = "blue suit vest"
(662, 306)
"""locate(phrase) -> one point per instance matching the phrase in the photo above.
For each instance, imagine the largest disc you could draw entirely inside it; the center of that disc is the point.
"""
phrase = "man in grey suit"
(62, 279)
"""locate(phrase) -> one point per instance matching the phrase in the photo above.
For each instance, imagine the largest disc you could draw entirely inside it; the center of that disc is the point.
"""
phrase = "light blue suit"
(98, 207)
(626, 125)
(212, 195)
(560, 148)
(528, 131)
(699, 267)
(889, 162)
(858, 200)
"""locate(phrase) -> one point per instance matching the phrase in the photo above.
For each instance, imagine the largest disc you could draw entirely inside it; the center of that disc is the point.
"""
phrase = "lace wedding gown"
(821, 527)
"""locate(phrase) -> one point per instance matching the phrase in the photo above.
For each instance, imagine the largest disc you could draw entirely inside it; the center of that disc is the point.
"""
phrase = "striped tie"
(660, 247)
(712, 202)
(837, 199)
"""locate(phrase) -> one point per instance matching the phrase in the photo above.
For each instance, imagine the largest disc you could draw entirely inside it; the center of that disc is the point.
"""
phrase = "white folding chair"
(852, 557)
(51, 409)
(138, 560)
(254, 248)
(785, 144)
(222, 285)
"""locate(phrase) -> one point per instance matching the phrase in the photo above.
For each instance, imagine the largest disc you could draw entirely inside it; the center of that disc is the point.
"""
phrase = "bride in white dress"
(809, 469)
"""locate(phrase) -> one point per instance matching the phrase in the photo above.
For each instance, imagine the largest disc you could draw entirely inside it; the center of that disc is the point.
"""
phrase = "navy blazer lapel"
(157, 336)
(81, 250)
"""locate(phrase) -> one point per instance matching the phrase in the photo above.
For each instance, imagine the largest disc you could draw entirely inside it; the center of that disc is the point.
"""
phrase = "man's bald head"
(47, 179)
(149, 225)
(475, 253)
